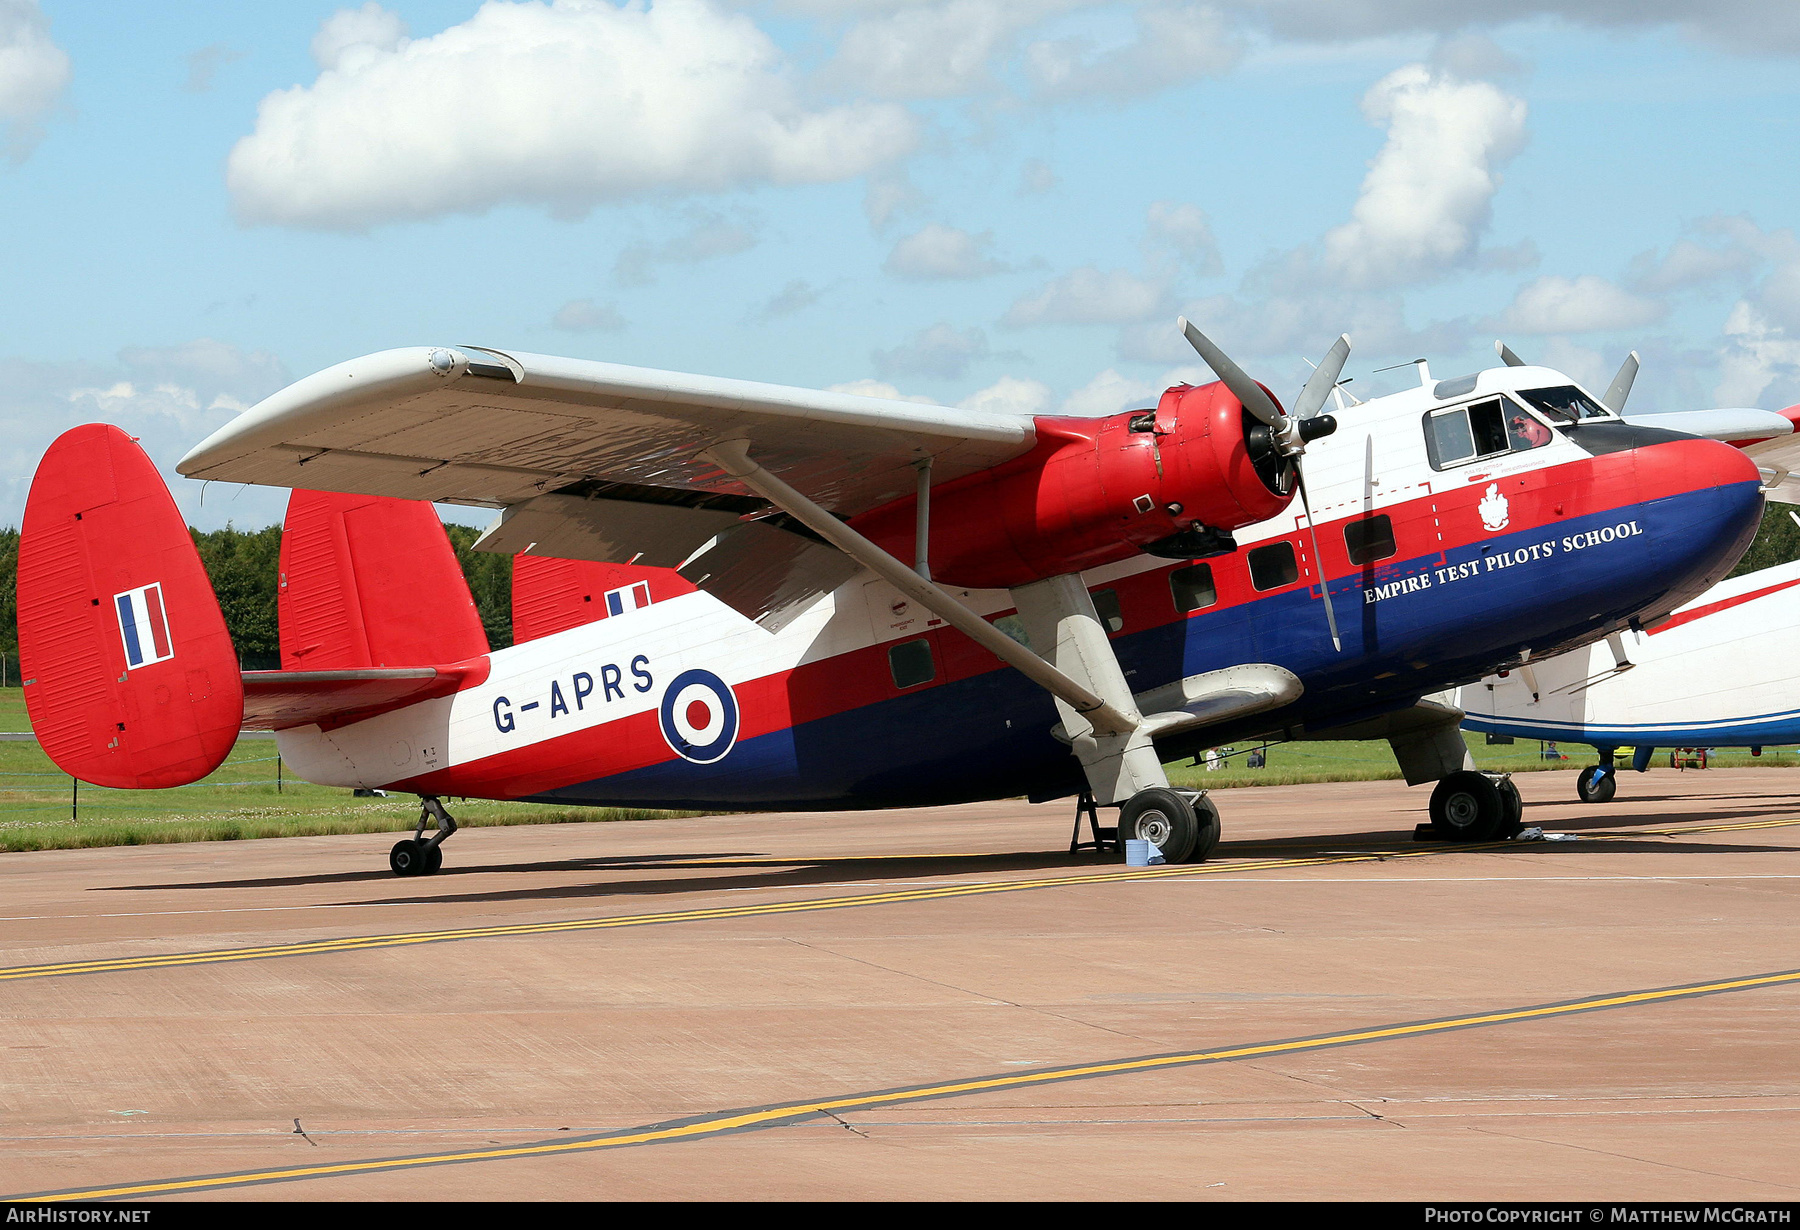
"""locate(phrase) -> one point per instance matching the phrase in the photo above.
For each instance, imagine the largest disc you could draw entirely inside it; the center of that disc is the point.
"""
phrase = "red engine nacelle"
(1095, 491)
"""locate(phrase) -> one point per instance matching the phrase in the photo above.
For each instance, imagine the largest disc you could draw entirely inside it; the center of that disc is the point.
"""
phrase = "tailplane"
(370, 583)
(130, 675)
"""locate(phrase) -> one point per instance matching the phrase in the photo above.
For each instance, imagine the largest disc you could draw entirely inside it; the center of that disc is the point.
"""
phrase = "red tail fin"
(371, 582)
(554, 595)
(130, 676)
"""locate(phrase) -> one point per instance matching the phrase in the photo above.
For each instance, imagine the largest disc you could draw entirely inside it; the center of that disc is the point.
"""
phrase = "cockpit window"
(1464, 433)
(1566, 404)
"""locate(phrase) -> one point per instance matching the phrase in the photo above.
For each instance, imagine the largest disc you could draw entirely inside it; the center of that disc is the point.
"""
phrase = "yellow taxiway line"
(771, 1116)
(359, 943)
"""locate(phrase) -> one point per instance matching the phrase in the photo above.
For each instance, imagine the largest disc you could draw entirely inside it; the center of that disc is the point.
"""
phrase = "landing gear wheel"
(1597, 784)
(1468, 806)
(1210, 828)
(434, 858)
(411, 858)
(1514, 807)
(1184, 830)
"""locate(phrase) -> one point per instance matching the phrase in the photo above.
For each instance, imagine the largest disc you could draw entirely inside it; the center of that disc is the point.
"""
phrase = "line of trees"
(243, 566)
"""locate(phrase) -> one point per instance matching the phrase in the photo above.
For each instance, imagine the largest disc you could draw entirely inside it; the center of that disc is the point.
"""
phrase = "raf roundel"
(699, 716)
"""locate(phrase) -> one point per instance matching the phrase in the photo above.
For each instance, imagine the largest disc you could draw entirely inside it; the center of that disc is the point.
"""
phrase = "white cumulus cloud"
(1174, 43)
(943, 252)
(356, 34)
(1429, 193)
(1090, 296)
(33, 72)
(564, 105)
(1010, 395)
(932, 50)
(941, 350)
(878, 388)
(1587, 304)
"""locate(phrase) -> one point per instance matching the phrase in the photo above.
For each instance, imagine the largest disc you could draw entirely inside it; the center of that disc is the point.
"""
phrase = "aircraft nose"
(1702, 503)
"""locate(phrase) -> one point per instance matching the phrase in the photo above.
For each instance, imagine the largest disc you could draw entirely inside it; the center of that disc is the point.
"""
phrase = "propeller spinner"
(1291, 432)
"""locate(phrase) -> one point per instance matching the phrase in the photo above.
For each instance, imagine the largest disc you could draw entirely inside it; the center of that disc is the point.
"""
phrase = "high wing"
(542, 437)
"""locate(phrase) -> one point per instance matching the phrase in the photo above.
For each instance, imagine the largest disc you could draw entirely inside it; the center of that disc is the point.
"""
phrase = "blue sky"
(999, 202)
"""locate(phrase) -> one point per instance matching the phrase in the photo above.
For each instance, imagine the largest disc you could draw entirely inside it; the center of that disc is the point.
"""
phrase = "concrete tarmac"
(287, 1012)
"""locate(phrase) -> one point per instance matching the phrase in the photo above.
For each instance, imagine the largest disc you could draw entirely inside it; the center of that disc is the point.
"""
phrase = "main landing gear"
(417, 856)
(1471, 806)
(1183, 824)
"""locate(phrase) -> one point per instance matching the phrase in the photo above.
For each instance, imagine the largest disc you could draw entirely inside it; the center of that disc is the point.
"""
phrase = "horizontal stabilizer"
(277, 700)
(131, 680)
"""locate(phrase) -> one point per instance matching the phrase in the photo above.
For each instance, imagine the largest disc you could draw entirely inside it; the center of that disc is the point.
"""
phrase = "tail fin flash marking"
(628, 598)
(143, 625)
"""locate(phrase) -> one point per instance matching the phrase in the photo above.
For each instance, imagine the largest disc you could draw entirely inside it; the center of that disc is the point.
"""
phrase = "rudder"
(371, 582)
(131, 680)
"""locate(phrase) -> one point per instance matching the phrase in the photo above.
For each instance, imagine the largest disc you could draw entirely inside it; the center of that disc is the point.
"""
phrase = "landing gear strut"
(1598, 783)
(1471, 806)
(417, 856)
(1184, 825)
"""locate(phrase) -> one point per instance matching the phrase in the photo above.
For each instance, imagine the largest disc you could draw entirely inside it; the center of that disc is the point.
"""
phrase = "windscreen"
(1566, 404)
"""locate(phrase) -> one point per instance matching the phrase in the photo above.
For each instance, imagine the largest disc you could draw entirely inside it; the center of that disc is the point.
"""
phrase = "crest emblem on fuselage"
(1494, 513)
(699, 716)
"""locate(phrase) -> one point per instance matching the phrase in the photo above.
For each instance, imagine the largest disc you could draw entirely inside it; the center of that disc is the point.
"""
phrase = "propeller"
(1290, 432)
(1616, 392)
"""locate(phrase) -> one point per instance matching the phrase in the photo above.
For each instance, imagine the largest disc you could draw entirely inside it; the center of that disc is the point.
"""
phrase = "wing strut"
(733, 457)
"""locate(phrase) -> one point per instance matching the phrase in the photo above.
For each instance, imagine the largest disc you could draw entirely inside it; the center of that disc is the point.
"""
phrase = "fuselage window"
(1566, 404)
(1466, 433)
(1106, 605)
(911, 663)
(1192, 588)
(1370, 539)
(1273, 566)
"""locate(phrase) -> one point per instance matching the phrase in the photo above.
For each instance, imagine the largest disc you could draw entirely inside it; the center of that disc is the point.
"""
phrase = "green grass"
(1294, 763)
(242, 799)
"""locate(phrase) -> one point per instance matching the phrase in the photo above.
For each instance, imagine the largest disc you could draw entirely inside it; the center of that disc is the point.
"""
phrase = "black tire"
(1596, 785)
(1210, 828)
(1165, 819)
(407, 858)
(1467, 806)
(434, 858)
(1514, 805)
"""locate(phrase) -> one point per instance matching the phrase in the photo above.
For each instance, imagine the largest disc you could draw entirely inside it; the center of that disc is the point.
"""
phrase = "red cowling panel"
(130, 676)
(368, 583)
(554, 595)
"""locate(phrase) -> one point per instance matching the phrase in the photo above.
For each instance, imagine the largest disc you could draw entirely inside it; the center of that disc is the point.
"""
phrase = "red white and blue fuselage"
(686, 703)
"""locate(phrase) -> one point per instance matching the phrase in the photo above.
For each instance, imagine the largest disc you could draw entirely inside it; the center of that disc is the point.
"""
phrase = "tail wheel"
(414, 858)
(1596, 785)
(1468, 806)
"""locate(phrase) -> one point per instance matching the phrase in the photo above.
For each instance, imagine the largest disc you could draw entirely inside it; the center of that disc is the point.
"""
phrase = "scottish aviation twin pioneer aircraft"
(821, 600)
(1714, 674)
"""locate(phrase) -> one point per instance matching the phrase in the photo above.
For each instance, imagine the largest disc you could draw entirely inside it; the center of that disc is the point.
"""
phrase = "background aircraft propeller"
(1291, 432)
(1616, 393)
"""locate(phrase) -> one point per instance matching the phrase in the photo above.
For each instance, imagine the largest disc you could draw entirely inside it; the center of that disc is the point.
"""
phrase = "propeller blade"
(1246, 390)
(1507, 356)
(1323, 380)
(1621, 385)
(1318, 560)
